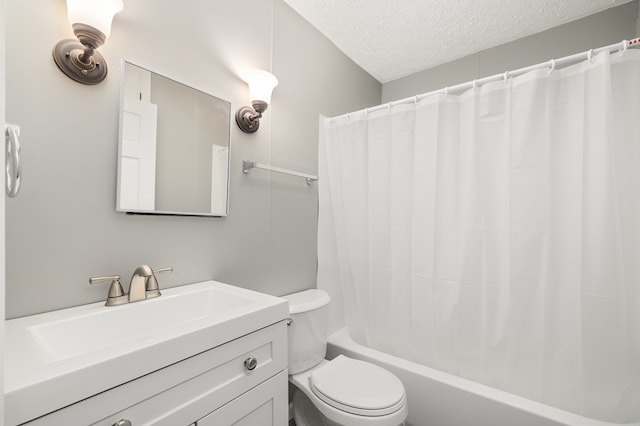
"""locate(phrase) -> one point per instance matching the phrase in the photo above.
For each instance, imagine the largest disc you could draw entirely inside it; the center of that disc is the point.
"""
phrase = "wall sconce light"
(91, 23)
(261, 84)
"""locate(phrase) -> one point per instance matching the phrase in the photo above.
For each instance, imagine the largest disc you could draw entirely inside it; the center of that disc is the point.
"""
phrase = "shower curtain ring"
(475, 84)
(553, 65)
(446, 90)
(625, 45)
(506, 76)
(590, 55)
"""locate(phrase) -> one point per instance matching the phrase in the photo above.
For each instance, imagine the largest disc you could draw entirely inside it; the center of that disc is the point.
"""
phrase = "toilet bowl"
(338, 392)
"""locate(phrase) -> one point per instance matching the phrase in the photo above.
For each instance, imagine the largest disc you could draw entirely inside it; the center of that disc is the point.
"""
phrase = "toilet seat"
(369, 390)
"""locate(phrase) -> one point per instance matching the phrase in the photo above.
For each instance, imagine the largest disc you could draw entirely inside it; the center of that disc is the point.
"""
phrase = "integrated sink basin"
(57, 358)
(91, 328)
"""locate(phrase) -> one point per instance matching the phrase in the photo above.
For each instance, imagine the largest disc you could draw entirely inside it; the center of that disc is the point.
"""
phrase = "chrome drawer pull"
(122, 422)
(250, 363)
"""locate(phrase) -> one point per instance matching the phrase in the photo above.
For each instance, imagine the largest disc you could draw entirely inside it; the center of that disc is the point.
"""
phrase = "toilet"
(342, 391)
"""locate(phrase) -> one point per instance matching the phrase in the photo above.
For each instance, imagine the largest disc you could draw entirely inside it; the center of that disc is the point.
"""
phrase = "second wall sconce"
(91, 23)
(261, 84)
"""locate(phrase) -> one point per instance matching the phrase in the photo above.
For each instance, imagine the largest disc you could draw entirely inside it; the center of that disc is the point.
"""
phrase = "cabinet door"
(264, 405)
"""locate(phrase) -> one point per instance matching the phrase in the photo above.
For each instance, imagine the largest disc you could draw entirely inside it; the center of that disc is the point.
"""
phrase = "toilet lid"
(358, 387)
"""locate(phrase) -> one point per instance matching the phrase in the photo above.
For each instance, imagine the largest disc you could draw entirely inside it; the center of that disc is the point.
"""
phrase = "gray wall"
(2, 204)
(601, 29)
(63, 227)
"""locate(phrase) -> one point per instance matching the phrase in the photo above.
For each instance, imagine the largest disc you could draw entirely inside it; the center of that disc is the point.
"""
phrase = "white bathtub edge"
(343, 340)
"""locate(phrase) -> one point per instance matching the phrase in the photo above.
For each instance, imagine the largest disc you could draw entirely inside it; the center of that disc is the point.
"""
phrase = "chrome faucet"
(143, 285)
(138, 285)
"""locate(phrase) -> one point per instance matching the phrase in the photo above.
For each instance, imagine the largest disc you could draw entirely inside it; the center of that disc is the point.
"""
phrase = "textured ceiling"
(394, 38)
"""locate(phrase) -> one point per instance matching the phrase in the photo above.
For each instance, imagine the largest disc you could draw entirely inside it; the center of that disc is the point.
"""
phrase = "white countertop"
(57, 358)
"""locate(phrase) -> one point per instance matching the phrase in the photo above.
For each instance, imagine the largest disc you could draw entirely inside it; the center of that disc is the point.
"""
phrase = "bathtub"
(440, 399)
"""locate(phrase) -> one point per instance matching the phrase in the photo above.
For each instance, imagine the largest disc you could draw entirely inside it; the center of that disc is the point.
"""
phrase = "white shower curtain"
(495, 234)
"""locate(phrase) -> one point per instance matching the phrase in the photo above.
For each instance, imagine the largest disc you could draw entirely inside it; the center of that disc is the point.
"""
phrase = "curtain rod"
(553, 63)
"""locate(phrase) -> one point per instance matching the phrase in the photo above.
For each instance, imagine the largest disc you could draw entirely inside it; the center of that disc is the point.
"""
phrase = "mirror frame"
(120, 147)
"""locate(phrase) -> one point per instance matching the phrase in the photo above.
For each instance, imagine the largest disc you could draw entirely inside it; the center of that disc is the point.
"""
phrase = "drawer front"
(186, 391)
(264, 405)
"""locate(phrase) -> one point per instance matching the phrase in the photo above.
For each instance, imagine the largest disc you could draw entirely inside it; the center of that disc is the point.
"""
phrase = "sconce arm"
(252, 117)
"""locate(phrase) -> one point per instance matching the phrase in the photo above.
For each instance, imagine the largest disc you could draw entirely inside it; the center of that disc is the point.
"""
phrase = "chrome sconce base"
(248, 119)
(80, 61)
(67, 55)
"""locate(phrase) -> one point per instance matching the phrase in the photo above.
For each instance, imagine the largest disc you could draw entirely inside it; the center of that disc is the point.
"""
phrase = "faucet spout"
(138, 285)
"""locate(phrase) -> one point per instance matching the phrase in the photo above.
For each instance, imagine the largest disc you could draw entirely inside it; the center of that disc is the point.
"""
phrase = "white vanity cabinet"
(221, 386)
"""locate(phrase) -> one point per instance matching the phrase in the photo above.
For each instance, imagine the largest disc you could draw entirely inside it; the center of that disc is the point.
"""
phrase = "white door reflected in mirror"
(138, 157)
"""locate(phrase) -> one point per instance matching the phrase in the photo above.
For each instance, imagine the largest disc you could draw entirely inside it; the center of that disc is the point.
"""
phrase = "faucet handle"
(152, 283)
(116, 293)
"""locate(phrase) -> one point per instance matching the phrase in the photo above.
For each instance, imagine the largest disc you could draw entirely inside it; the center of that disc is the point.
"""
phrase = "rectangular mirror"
(173, 149)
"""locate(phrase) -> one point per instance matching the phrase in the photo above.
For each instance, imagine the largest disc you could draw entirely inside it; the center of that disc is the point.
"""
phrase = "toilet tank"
(307, 332)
